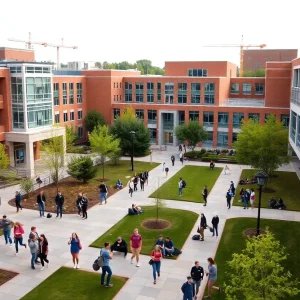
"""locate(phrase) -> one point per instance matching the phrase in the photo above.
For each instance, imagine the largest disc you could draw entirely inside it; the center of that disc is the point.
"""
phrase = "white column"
(160, 129)
(30, 160)
(176, 123)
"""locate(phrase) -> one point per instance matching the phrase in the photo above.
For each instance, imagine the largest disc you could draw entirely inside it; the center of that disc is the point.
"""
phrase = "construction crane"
(29, 44)
(241, 46)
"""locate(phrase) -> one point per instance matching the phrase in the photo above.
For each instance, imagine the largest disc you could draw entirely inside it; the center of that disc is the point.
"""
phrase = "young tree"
(158, 202)
(92, 119)
(257, 272)
(193, 132)
(71, 137)
(82, 168)
(122, 127)
(263, 147)
(27, 186)
(103, 143)
(4, 158)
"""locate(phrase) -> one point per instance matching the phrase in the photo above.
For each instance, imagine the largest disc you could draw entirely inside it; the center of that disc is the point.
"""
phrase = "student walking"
(131, 187)
(79, 203)
(33, 232)
(142, 180)
(188, 289)
(34, 247)
(18, 199)
(135, 183)
(252, 198)
(146, 177)
(246, 198)
(167, 171)
(204, 194)
(203, 226)
(107, 255)
(18, 235)
(6, 227)
(59, 200)
(103, 193)
(232, 188)
(43, 251)
(228, 198)
(41, 200)
(197, 274)
(215, 223)
(226, 170)
(173, 160)
(212, 277)
(180, 187)
(75, 247)
(84, 206)
(181, 157)
(156, 256)
(135, 246)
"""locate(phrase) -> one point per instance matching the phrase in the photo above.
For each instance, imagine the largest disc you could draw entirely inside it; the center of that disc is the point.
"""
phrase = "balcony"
(1, 102)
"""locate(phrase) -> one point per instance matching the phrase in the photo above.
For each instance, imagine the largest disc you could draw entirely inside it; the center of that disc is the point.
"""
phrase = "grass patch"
(182, 222)
(195, 177)
(67, 284)
(285, 185)
(233, 241)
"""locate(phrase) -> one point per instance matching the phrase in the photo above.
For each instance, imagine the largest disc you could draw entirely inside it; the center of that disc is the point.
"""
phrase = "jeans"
(7, 237)
(33, 258)
(84, 213)
(18, 205)
(246, 202)
(59, 209)
(215, 229)
(20, 241)
(43, 258)
(228, 203)
(79, 209)
(180, 191)
(156, 268)
(169, 252)
(102, 197)
(109, 273)
(42, 209)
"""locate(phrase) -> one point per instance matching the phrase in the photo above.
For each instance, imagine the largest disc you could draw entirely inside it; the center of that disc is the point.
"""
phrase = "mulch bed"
(154, 224)
(70, 188)
(6, 276)
(252, 232)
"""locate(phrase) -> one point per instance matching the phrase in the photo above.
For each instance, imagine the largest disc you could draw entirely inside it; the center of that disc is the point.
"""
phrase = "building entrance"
(168, 137)
(19, 156)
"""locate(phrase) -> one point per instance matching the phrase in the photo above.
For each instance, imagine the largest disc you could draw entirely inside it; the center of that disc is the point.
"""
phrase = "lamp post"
(132, 148)
(262, 179)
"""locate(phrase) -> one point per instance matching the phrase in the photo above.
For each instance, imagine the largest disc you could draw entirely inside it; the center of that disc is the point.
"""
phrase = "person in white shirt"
(180, 187)
(130, 186)
(252, 198)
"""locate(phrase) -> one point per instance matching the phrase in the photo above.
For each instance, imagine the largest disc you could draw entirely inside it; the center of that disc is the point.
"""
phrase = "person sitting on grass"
(120, 245)
(169, 247)
(119, 184)
(160, 242)
(137, 209)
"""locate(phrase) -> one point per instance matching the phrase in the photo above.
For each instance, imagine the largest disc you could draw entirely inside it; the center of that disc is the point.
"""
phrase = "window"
(117, 85)
(71, 115)
(158, 92)
(128, 86)
(194, 115)
(56, 94)
(209, 93)
(246, 89)
(79, 92)
(238, 120)
(286, 120)
(234, 138)
(208, 119)
(114, 85)
(169, 92)
(182, 87)
(182, 99)
(57, 118)
(234, 88)
(128, 97)
(182, 93)
(152, 116)
(293, 125)
(139, 87)
(80, 132)
(209, 140)
(17, 90)
(37, 69)
(150, 85)
(120, 85)
(197, 72)
(79, 114)
(222, 140)
(223, 119)
(116, 113)
(15, 69)
(65, 117)
(181, 117)
(259, 88)
(150, 92)
(139, 98)
(139, 114)
(71, 93)
(150, 98)
(196, 90)
(139, 92)
(159, 86)
(253, 116)
(128, 92)
(65, 94)
(152, 135)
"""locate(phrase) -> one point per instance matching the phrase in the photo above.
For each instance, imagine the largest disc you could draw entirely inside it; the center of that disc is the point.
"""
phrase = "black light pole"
(132, 149)
(261, 178)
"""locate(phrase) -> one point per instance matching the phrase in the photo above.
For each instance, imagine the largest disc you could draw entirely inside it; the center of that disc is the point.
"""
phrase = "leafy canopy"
(263, 147)
(92, 119)
(193, 132)
(81, 168)
(26, 186)
(71, 137)
(122, 127)
(257, 273)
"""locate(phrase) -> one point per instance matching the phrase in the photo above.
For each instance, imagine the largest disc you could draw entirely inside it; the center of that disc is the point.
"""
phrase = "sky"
(165, 30)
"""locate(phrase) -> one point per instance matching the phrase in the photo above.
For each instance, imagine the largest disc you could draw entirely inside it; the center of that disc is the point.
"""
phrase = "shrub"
(193, 154)
(26, 186)
(82, 168)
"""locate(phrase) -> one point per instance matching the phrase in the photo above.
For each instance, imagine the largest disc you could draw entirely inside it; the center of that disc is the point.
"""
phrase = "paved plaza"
(101, 218)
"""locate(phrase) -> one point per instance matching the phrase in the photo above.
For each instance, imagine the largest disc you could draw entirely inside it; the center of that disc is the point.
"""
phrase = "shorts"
(251, 201)
(197, 283)
(136, 251)
(102, 196)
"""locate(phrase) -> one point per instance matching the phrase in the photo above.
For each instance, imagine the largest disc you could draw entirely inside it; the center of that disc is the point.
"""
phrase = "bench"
(226, 160)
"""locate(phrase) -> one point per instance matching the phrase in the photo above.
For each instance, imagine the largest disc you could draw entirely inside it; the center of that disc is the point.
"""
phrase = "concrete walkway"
(101, 218)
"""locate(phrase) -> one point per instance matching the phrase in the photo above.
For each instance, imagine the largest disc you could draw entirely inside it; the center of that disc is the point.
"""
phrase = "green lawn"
(182, 222)
(122, 170)
(233, 241)
(285, 184)
(66, 284)
(195, 177)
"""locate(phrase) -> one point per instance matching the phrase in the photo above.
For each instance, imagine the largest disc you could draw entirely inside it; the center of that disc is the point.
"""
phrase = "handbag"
(198, 229)
(79, 245)
(151, 262)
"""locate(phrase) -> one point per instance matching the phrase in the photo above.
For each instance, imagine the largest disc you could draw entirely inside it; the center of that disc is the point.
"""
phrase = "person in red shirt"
(135, 246)
(156, 256)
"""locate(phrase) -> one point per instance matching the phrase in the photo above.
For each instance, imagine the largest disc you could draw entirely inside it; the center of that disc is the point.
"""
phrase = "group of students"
(82, 204)
(247, 196)
(141, 178)
(203, 225)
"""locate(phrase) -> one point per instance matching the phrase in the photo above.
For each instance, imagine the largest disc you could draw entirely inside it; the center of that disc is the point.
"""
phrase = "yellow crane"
(241, 46)
(29, 44)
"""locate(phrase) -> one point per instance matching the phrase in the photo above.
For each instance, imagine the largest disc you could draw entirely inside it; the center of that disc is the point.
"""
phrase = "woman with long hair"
(18, 235)
(212, 277)
(75, 247)
(156, 256)
(43, 251)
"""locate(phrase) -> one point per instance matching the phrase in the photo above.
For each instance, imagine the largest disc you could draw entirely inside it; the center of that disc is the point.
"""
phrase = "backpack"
(96, 266)
(183, 183)
(49, 216)
(100, 260)
(196, 237)
(177, 252)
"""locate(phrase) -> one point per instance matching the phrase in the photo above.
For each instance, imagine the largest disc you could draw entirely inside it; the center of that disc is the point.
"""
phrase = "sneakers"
(109, 285)
(158, 274)
(25, 246)
(16, 254)
(154, 282)
(137, 264)
(131, 261)
(10, 245)
(42, 268)
(33, 268)
(74, 267)
(77, 267)
(207, 297)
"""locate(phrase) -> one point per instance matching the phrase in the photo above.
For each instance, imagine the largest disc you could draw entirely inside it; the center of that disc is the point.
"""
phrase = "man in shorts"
(197, 274)
(135, 246)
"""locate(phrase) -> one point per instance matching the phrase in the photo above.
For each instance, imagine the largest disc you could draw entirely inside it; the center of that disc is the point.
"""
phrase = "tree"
(192, 132)
(4, 158)
(158, 202)
(103, 143)
(92, 119)
(27, 186)
(82, 168)
(71, 137)
(122, 127)
(263, 147)
(257, 273)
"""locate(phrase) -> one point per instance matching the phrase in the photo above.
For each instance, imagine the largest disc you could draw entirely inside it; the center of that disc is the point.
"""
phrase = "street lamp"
(132, 148)
(262, 179)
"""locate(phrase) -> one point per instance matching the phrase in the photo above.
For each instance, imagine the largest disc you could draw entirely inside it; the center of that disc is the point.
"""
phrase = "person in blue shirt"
(107, 256)
(160, 242)
(169, 247)
(75, 247)
(188, 289)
